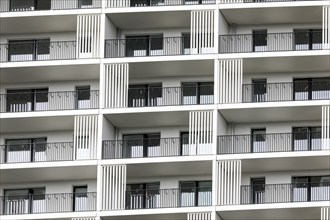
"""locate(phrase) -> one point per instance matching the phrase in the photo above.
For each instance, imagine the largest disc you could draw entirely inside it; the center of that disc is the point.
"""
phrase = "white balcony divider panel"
(325, 127)
(200, 133)
(116, 85)
(326, 27)
(88, 36)
(325, 213)
(85, 136)
(230, 80)
(113, 180)
(83, 219)
(202, 31)
(118, 3)
(229, 182)
(199, 216)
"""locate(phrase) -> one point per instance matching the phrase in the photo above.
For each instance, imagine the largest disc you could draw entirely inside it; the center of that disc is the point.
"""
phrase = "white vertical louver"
(83, 219)
(229, 182)
(230, 80)
(116, 85)
(118, 3)
(202, 32)
(200, 133)
(88, 36)
(113, 182)
(326, 27)
(325, 213)
(325, 127)
(85, 136)
(199, 216)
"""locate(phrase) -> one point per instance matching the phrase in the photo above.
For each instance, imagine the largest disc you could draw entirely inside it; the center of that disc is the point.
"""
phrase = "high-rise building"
(165, 109)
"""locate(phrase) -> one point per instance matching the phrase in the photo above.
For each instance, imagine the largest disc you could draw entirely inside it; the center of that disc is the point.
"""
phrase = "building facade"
(164, 109)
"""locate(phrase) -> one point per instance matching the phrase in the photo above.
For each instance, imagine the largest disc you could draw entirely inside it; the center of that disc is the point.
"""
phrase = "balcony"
(42, 5)
(153, 147)
(37, 152)
(302, 90)
(275, 142)
(150, 3)
(152, 46)
(271, 42)
(41, 50)
(140, 96)
(19, 101)
(47, 203)
(168, 198)
(285, 193)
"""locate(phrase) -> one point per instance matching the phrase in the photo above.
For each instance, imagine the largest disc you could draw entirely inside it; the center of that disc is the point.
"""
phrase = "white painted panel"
(326, 27)
(230, 80)
(83, 219)
(228, 190)
(85, 136)
(116, 85)
(88, 36)
(325, 213)
(202, 31)
(117, 3)
(113, 180)
(200, 133)
(199, 216)
(325, 127)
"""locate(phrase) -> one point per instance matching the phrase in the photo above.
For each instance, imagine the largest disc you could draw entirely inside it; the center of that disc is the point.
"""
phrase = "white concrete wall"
(171, 81)
(276, 28)
(110, 29)
(281, 177)
(281, 76)
(169, 182)
(54, 36)
(54, 136)
(108, 130)
(275, 127)
(170, 32)
(165, 132)
(52, 86)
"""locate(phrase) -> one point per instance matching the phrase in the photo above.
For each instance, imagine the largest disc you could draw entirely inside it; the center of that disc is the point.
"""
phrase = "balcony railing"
(37, 51)
(276, 142)
(38, 152)
(271, 42)
(285, 193)
(42, 5)
(259, 1)
(151, 46)
(48, 101)
(170, 96)
(150, 3)
(153, 147)
(168, 198)
(47, 203)
(296, 91)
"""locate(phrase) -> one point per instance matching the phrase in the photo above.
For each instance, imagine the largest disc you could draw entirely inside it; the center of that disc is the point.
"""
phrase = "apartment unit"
(164, 109)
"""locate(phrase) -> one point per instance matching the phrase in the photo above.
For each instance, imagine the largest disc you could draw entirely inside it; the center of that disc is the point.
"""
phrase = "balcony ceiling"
(279, 15)
(286, 163)
(172, 69)
(176, 216)
(287, 64)
(169, 169)
(309, 213)
(48, 174)
(261, 112)
(35, 124)
(38, 24)
(49, 73)
(149, 119)
(150, 20)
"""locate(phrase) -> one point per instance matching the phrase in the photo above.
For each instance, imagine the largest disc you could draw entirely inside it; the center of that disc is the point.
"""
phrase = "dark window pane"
(260, 38)
(43, 46)
(156, 42)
